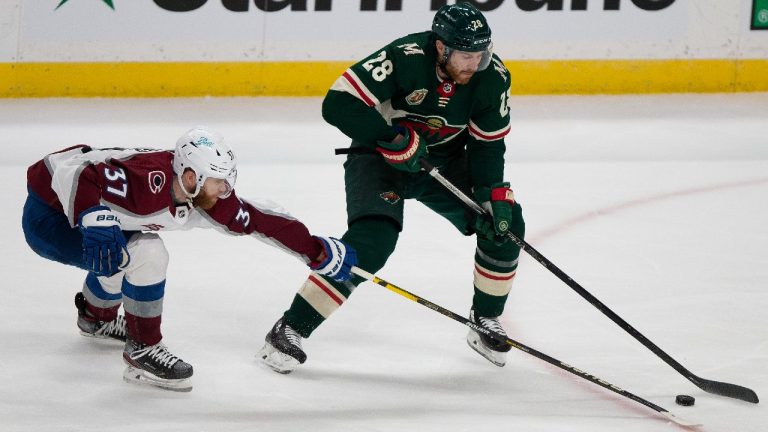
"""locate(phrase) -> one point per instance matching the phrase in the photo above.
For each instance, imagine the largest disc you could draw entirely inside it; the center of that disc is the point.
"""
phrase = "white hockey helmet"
(205, 152)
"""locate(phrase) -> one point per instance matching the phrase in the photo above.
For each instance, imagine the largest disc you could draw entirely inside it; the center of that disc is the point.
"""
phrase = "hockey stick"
(714, 387)
(551, 360)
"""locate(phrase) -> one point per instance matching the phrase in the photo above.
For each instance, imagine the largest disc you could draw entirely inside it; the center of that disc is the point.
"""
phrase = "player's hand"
(404, 152)
(503, 211)
(104, 251)
(338, 259)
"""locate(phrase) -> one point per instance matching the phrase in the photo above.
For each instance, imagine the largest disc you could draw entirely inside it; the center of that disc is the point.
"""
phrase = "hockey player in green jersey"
(440, 95)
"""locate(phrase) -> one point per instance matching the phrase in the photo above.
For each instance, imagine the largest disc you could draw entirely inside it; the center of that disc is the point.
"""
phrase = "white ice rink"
(658, 205)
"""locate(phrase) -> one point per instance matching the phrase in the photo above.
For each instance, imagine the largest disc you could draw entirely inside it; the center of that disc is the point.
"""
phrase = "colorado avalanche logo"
(156, 181)
(390, 197)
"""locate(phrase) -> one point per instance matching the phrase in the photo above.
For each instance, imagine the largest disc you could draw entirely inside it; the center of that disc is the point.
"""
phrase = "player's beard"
(204, 202)
(458, 76)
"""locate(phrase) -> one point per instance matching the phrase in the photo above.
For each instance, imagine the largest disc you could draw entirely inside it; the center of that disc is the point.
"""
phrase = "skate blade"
(276, 360)
(142, 377)
(495, 357)
(103, 339)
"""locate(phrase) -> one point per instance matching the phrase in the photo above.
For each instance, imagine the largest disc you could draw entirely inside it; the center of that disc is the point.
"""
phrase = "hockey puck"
(685, 400)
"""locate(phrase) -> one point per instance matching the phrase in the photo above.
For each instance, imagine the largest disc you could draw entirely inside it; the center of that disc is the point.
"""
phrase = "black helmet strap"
(442, 60)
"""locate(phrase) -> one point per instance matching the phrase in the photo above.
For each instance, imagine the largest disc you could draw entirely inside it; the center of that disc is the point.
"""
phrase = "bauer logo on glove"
(104, 245)
(339, 259)
(101, 218)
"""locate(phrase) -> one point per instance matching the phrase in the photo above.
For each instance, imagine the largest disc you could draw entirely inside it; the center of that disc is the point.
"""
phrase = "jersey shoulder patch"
(411, 46)
(375, 78)
(139, 180)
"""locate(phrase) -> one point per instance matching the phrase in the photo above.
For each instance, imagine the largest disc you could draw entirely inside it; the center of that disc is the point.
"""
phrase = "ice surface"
(656, 204)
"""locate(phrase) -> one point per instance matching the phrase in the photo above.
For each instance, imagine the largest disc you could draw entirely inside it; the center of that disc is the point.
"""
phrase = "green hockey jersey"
(399, 84)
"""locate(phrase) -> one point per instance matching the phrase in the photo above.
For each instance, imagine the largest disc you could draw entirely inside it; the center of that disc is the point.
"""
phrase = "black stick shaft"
(538, 354)
(714, 387)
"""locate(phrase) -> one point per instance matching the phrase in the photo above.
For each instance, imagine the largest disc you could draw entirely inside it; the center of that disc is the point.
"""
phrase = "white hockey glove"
(339, 259)
(104, 251)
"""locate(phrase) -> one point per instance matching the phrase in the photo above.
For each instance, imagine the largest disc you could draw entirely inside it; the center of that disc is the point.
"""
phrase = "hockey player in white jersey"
(100, 209)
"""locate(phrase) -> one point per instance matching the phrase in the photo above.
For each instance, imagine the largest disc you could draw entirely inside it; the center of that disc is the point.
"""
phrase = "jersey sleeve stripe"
(482, 135)
(77, 200)
(350, 83)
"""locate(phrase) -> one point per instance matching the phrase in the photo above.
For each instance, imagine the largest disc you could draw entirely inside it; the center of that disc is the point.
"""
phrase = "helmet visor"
(223, 185)
(471, 60)
(229, 183)
(486, 59)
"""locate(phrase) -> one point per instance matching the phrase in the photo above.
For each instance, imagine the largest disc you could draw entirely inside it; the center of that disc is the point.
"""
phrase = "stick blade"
(728, 390)
(678, 420)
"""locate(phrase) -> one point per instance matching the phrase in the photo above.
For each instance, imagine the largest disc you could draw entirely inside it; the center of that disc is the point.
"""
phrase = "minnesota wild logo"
(434, 128)
(107, 2)
(390, 197)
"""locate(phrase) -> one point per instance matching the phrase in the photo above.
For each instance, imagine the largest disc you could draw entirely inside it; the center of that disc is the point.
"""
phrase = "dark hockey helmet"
(463, 27)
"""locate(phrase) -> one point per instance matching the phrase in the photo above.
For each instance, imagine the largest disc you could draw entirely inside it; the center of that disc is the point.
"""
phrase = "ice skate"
(91, 327)
(491, 349)
(282, 351)
(155, 365)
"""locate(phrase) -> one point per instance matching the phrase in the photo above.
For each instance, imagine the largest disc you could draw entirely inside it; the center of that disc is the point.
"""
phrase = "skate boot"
(155, 365)
(91, 327)
(282, 351)
(486, 346)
